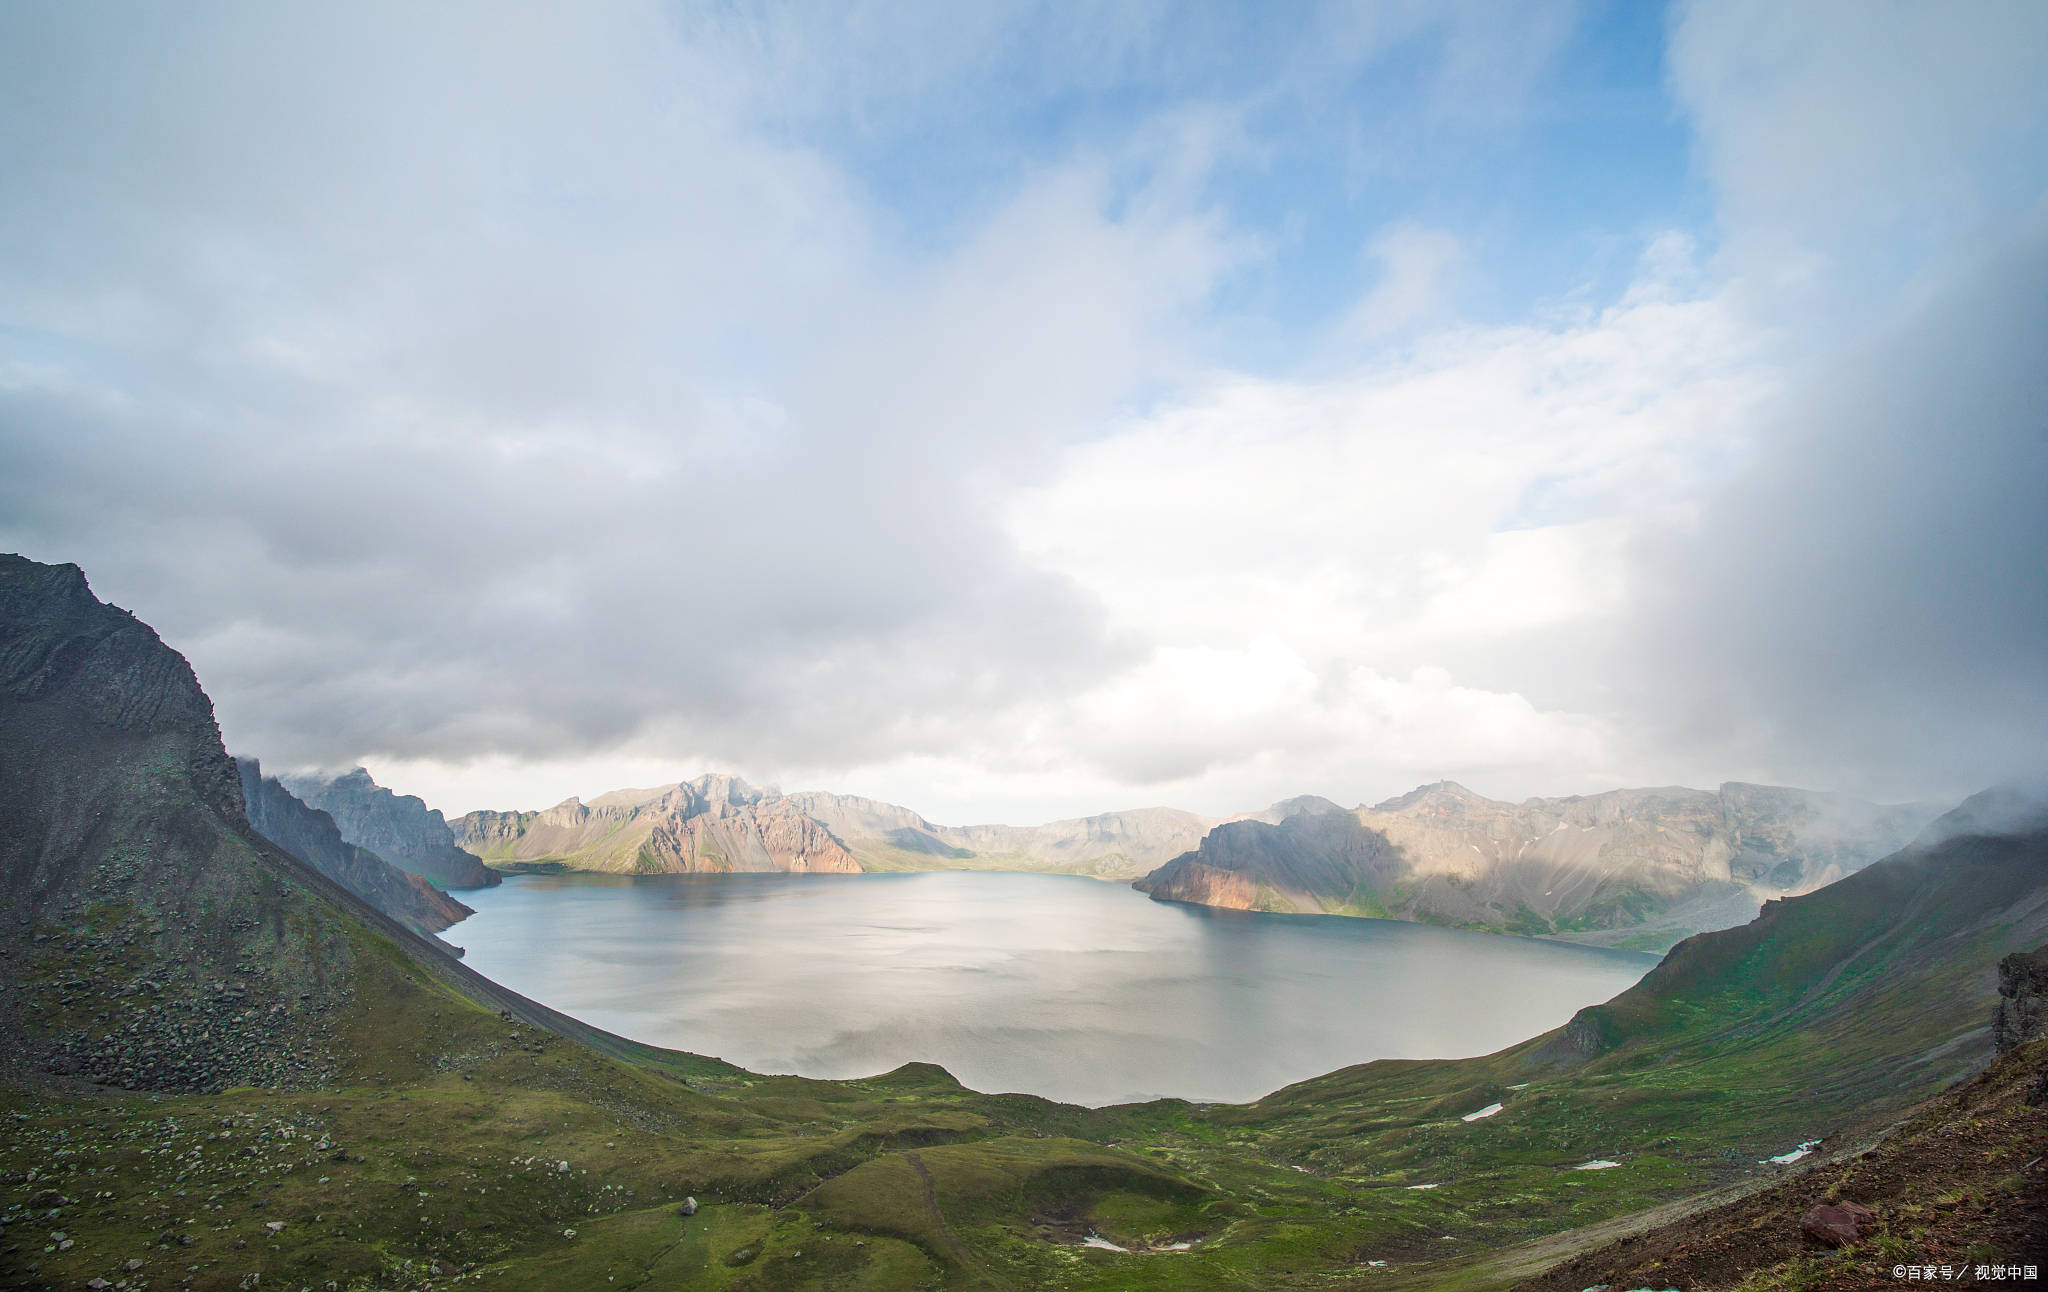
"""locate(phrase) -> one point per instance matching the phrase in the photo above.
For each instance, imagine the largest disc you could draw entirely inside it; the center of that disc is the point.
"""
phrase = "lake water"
(1060, 986)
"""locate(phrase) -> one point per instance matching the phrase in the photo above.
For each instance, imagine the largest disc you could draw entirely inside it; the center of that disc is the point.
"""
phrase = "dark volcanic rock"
(311, 835)
(151, 938)
(2022, 1013)
(400, 828)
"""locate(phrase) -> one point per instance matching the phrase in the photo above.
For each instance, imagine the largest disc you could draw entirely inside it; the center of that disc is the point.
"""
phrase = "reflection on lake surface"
(1065, 987)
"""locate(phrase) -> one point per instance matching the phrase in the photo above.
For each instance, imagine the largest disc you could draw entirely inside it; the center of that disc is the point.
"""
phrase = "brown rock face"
(1203, 885)
(1834, 1224)
(712, 825)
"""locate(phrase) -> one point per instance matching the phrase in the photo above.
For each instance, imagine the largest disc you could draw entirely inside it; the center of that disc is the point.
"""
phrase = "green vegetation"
(437, 1158)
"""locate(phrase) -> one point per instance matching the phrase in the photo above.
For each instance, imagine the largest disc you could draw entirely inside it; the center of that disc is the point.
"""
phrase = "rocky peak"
(1439, 797)
(61, 644)
(722, 787)
(130, 870)
(1299, 805)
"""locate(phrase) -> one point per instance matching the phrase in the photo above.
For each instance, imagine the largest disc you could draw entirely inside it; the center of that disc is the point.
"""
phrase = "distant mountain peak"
(1433, 794)
(1300, 805)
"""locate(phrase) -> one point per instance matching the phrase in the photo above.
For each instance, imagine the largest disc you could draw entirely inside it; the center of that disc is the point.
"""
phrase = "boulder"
(1833, 1224)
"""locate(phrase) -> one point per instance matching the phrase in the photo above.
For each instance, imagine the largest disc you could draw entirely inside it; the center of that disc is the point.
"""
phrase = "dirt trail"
(954, 1247)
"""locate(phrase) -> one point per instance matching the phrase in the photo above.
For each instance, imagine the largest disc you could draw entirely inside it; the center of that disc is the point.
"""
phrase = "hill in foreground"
(225, 1066)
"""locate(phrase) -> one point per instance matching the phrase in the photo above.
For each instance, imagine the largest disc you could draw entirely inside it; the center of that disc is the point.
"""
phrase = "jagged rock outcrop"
(713, 824)
(400, 828)
(311, 835)
(146, 923)
(1641, 867)
(2022, 1012)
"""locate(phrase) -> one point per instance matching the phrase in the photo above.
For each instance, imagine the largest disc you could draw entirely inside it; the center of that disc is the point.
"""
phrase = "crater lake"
(1055, 985)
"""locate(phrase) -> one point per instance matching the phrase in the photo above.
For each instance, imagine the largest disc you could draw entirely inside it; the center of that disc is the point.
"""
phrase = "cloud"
(857, 395)
(530, 401)
(1860, 602)
(1853, 145)
(1866, 602)
(1416, 268)
(1367, 577)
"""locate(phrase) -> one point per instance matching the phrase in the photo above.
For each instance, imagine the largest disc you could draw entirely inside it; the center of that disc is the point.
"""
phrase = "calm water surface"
(1065, 987)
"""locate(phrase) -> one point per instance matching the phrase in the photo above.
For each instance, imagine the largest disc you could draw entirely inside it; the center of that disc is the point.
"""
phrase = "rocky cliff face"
(713, 824)
(147, 926)
(312, 836)
(400, 828)
(1641, 867)
(2022, 1012)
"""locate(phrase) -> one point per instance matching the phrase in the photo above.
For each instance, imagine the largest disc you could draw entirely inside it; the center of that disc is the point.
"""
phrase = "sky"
(1022, 410)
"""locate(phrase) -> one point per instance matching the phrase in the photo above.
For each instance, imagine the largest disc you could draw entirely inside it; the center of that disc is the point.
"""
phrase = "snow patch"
(1100, 1243)
(1597, 1164)
(1786, 1159)
(1425, 1186)
(1487, 1111)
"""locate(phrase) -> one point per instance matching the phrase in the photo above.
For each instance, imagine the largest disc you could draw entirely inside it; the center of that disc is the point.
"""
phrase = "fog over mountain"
(1025, 413)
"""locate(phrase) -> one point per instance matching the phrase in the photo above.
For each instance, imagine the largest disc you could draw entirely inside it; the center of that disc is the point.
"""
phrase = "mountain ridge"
(1629, 867)
(312, 836)
(400, 828)
(718, 822)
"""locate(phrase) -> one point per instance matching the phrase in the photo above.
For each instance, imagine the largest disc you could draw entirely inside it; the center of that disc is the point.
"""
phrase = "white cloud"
(1416, 269)
(1310, 560)
(1850, 144)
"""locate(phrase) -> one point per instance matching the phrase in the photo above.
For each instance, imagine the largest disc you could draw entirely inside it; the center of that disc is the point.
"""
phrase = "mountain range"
(720, 823)
(225, 1070)
(1639, 868)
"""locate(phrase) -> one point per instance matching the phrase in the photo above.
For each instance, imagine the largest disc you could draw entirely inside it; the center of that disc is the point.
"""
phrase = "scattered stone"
(689, 1207)
(1832, 1225)
(274, 1226)
(568, 1233)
